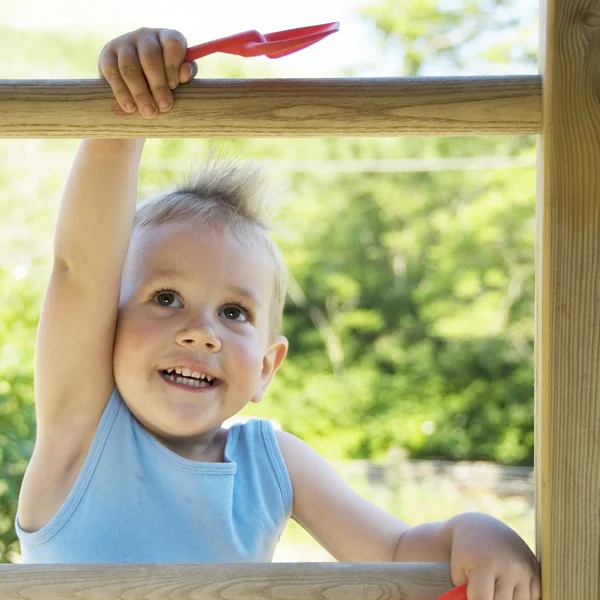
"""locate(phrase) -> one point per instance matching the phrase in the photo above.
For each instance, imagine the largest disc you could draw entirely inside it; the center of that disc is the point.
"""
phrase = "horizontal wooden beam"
(244, 108)
(242, 581)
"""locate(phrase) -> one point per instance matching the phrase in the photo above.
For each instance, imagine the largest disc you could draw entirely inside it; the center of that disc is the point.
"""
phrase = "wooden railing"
(247, 581)
(280, 108)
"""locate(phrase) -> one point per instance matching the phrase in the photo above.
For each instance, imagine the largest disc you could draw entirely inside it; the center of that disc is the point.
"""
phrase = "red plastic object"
(457, 593)
(272, 45)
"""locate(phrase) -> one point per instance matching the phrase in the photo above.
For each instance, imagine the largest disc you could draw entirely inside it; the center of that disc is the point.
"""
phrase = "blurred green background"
(410, 309)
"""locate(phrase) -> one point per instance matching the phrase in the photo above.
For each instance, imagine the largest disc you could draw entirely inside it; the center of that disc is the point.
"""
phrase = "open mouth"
(195, 380)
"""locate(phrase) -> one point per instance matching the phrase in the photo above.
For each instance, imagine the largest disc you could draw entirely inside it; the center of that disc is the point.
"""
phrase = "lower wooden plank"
(243, 581)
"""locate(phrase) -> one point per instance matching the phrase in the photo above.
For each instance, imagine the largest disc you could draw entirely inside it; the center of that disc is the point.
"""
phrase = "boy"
(159, 324)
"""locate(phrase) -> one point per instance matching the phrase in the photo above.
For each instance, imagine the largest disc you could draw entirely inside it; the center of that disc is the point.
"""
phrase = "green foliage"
(458, 35)
(422, 302)
(18, 322)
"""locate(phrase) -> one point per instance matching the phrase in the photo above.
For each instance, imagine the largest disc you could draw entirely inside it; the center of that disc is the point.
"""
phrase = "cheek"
(248, 354)
(135, 334)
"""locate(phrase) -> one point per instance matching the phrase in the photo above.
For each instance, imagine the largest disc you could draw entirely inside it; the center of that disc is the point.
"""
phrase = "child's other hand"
(493, 560)
(143, 66)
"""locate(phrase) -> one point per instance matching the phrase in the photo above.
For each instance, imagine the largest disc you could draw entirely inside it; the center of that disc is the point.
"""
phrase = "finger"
(522, 592)
(535, 589)
(150, 52)
(174, 47)
(188, 71)
(481, 585)
(504, 589)
(108, 68)
(132, 73)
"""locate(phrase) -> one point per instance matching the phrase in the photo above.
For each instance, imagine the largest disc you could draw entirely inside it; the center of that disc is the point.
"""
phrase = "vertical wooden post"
(568, 302)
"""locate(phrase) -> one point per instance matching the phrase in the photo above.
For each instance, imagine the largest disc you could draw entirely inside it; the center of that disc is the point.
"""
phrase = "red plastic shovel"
(272, 45)
(456, 593)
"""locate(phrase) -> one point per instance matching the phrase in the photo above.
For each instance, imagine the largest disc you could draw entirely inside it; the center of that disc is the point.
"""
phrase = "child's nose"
(198, 333)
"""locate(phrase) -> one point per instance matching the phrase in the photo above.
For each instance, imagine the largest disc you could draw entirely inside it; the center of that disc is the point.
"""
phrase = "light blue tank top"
(136, 501)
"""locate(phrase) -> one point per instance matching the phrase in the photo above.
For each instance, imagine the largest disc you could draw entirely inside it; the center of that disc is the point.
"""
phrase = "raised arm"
(73, 361)
(74, 350)
(73, 375)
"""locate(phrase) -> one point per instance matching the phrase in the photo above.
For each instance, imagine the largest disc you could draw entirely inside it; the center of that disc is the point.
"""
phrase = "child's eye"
(234, 313)
(167, 298)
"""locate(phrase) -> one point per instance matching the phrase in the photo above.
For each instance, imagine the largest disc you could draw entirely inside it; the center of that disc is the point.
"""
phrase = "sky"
(357, 45)
(354, 45)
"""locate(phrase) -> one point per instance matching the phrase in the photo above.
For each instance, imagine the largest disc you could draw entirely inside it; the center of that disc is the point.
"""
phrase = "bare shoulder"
(297, 453)
(285, 440)
(306, 467)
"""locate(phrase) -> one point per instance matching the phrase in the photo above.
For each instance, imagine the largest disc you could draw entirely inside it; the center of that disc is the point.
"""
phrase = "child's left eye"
(166, 297)
(234, 313)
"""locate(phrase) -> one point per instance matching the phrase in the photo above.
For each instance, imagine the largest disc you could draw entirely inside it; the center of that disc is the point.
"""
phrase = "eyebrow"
(248, 293)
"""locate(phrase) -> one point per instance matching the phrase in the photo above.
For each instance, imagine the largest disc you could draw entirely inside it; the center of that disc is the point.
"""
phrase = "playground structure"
(562, 104)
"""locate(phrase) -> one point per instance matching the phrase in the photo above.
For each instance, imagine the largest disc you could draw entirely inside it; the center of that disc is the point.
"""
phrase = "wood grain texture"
(568, 303)
(239, 108)
(257, 581)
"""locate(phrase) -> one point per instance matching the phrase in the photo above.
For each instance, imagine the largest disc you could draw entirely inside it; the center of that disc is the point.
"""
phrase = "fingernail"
(149, 110)
(164, 103)
(187, 72)
(129, 106)
(173, 84)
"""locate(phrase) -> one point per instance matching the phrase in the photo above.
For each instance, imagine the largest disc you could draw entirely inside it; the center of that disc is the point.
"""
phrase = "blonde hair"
(229, 194)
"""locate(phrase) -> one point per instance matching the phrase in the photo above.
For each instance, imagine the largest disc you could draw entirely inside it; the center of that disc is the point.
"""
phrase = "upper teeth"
(188, 373)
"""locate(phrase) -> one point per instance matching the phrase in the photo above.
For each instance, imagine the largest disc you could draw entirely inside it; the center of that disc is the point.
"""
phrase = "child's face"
(212, 317)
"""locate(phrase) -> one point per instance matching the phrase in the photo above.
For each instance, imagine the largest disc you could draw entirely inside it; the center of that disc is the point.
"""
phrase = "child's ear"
(271, 362)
